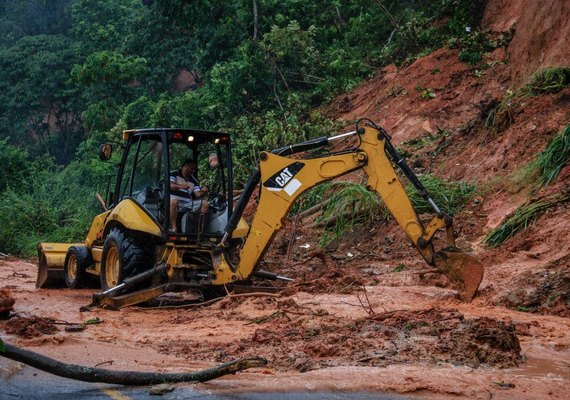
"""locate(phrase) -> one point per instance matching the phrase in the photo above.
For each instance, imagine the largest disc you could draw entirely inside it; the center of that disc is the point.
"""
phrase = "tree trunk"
(88, 374)
(255, 20)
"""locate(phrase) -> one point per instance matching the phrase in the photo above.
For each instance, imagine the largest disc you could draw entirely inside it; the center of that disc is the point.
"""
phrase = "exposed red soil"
(365, 313)
(30, 327)
(307, 339)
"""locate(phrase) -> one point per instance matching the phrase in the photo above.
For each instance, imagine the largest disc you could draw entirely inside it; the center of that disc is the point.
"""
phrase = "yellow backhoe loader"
(133, 250)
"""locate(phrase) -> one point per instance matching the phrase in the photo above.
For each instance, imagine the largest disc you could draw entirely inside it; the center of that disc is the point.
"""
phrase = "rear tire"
(77, 260)
(122, 258)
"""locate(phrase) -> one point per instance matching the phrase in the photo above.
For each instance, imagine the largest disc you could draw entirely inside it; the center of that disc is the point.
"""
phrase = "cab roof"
(181, 134)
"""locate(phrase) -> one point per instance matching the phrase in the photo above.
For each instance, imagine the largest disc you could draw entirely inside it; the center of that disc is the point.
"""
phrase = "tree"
(33, 17)
(109, 80)
(104, 24)
(37, 108)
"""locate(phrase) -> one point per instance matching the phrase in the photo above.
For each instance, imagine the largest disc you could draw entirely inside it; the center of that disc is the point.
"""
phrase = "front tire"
(77, 260)
(122, 258)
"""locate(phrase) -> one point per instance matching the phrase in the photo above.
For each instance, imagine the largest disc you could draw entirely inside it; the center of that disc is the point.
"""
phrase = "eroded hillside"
(364, 313)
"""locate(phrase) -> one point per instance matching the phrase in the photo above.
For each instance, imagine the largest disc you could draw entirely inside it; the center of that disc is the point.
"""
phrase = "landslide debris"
(29, 327)
(313, 339)
(542, 292)
(6, 303)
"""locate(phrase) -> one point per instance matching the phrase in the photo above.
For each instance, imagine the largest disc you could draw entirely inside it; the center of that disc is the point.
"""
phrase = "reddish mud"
(408, 338)
(365, 313)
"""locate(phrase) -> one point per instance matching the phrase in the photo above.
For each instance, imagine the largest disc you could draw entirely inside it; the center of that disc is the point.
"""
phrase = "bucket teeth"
(463, 270)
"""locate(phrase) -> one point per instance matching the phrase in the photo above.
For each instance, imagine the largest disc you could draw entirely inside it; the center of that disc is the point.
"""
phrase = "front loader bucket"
(463, 270)
(51, 257)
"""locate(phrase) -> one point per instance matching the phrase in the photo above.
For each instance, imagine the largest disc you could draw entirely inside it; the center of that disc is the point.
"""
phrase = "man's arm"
(200, 191)
(180, 184)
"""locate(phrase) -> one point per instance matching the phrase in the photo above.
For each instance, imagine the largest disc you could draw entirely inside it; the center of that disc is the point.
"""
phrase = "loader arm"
(284, 179)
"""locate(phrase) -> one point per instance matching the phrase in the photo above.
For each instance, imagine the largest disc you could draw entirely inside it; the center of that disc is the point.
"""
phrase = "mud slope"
(364, 313)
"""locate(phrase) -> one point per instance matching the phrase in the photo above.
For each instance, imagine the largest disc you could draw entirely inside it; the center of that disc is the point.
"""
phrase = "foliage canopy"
(76, 72)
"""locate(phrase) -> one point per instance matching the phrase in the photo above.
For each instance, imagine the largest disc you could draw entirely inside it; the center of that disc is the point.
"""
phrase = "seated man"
(185, 191)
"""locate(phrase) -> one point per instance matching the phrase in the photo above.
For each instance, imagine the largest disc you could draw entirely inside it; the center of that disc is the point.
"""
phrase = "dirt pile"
(6, 303)
(304, 339)
(29, 327)
(545, 292)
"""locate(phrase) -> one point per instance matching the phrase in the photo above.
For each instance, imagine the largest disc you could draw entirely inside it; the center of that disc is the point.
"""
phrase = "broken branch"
(87, 374)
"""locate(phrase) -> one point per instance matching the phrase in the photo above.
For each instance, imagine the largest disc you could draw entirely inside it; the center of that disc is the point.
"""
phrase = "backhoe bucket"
(463, 270)
(51, 257)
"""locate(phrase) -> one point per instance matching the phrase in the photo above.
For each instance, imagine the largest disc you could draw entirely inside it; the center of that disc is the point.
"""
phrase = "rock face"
(6, 303)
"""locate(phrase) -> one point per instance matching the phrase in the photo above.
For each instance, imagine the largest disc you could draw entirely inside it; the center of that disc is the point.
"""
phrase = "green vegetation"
(426, 93)
(547, 80)
(429, 139)
(554, 157)
(351, 204)
(74, 73)
(451, 197)
(399, 268)
(521, 218)
(544, 169)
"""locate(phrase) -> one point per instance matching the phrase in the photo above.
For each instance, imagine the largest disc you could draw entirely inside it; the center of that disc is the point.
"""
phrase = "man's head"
(189, 167)
(213, 161)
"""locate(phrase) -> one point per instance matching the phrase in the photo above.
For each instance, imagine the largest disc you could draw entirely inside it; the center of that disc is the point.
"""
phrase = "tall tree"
(36, 100)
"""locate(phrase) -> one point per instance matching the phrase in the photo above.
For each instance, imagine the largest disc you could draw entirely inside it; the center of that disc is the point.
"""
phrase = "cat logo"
(285, 179)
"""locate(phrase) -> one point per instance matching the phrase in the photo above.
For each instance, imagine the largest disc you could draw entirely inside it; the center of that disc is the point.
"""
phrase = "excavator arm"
(284, 179)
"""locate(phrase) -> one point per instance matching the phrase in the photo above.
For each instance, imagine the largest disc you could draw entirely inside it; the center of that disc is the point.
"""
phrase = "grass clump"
(349, 204)
(554, 157)
(544, 169)
(547, 80)
(309, 199)
(522, 218)
(451, 197)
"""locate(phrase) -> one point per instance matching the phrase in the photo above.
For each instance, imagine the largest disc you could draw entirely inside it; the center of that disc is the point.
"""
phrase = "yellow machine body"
(281, 180)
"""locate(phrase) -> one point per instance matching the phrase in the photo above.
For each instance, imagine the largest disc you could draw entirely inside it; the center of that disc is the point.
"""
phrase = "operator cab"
(152, 156)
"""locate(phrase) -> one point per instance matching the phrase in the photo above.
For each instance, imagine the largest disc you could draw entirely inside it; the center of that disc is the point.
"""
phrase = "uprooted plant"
(522, 218)
(554, 157)
(349, 204)
(450, 196)
(546, 167)
(547, 80)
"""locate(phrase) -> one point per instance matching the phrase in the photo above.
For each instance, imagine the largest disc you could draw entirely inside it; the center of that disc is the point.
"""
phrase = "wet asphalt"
(18, 381)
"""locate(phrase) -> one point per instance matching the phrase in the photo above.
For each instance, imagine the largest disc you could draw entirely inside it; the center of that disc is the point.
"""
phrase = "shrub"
(55, 205)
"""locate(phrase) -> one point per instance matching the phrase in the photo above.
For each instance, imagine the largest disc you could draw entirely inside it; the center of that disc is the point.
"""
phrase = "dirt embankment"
(365, 314)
